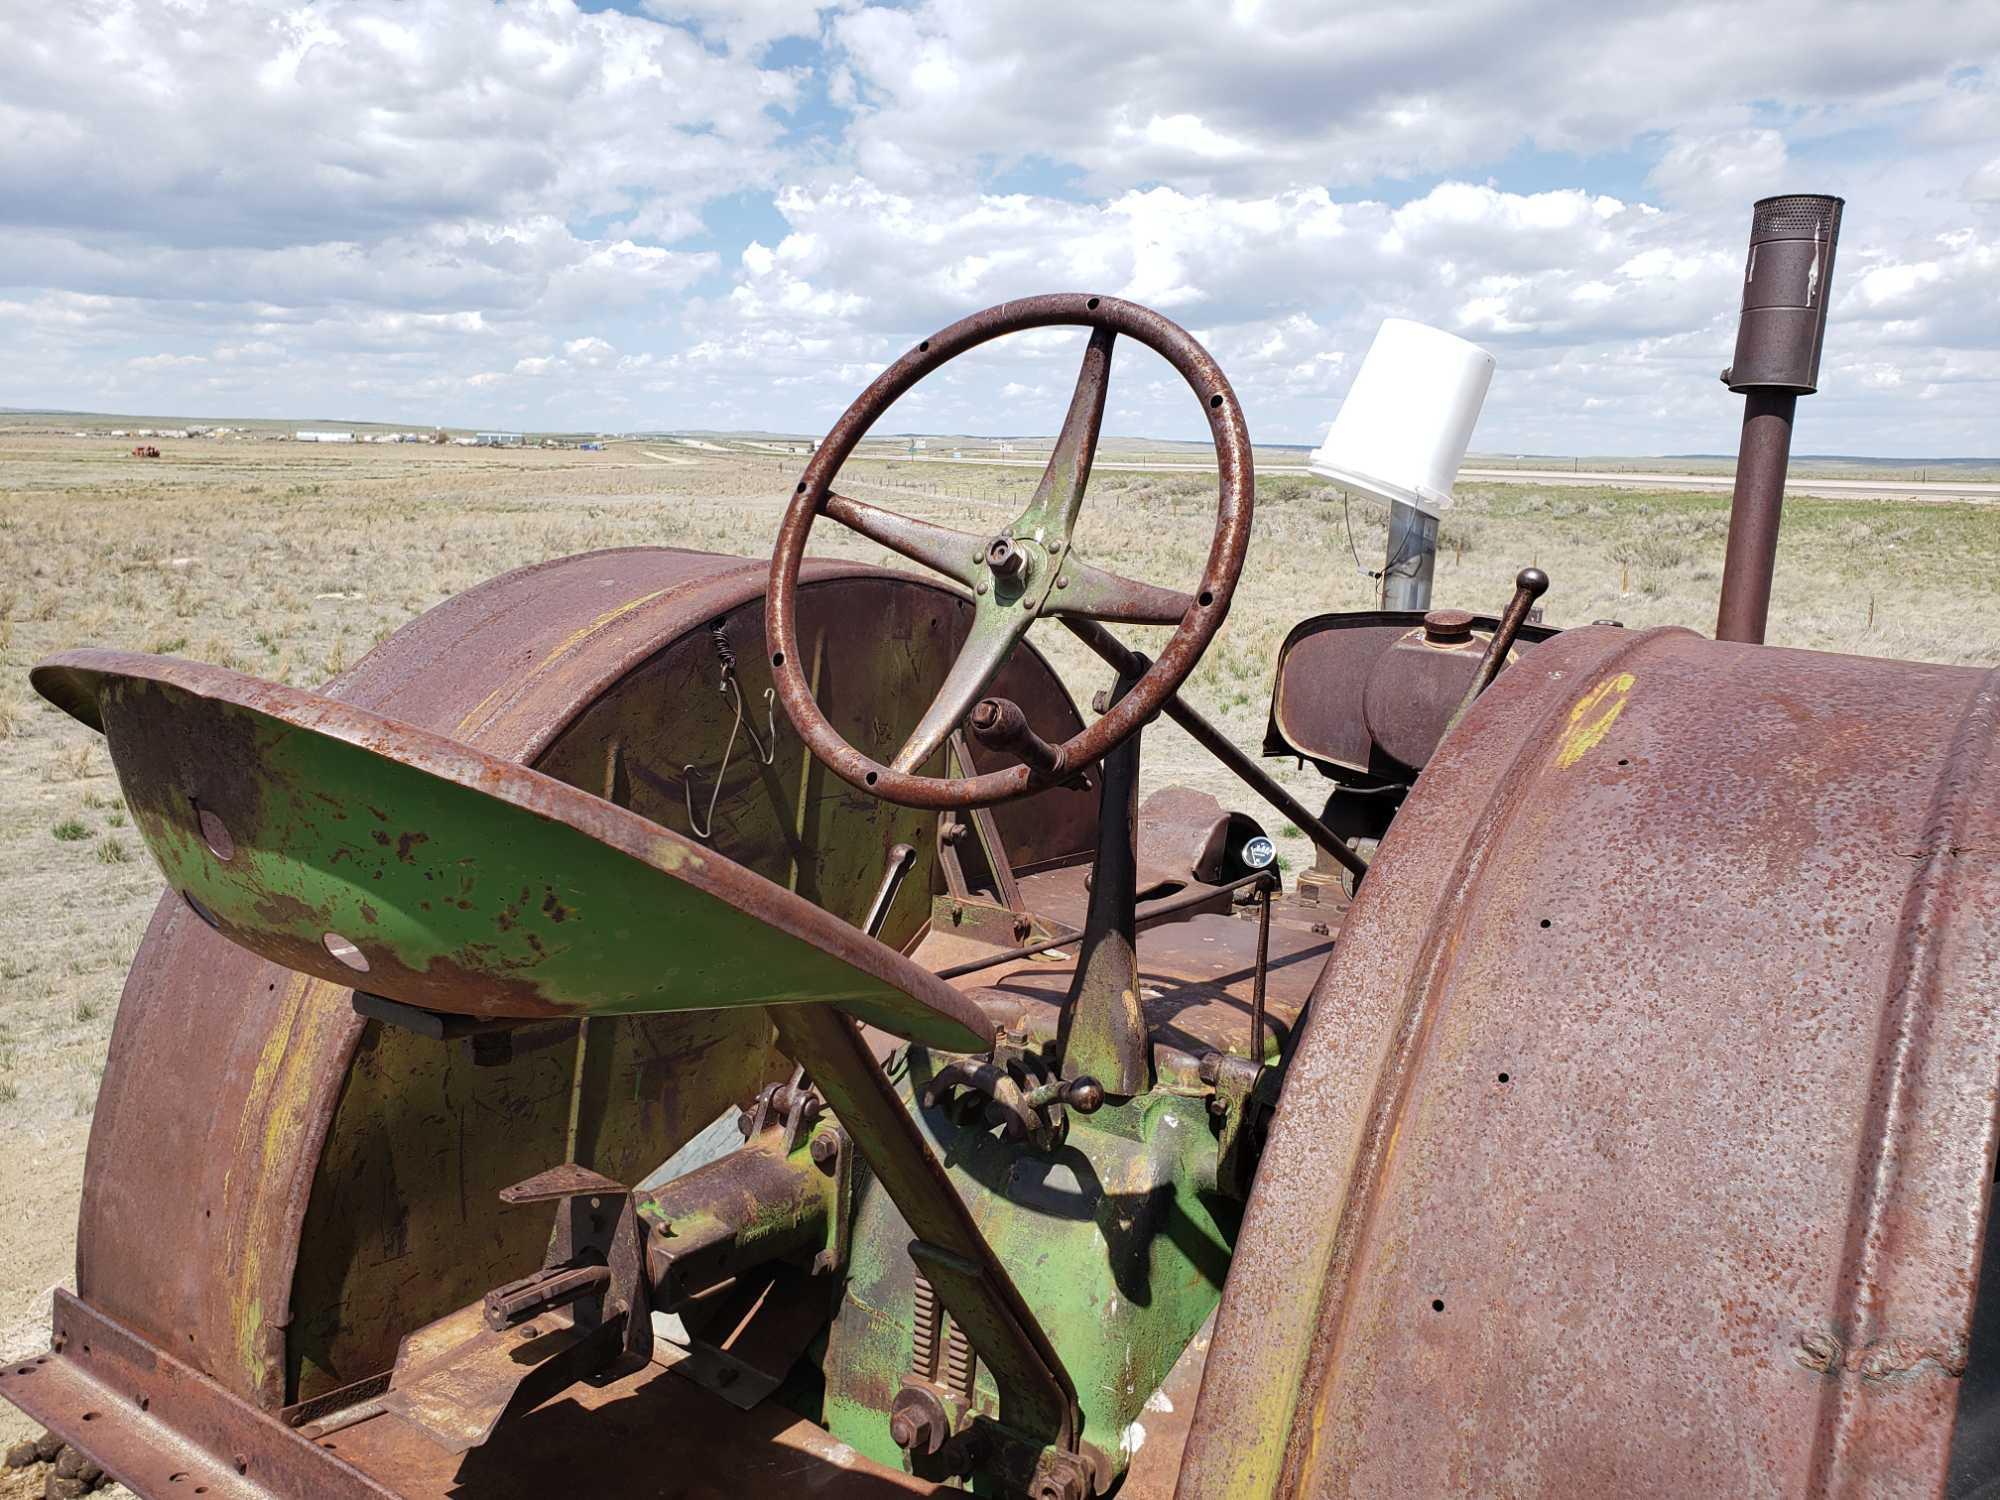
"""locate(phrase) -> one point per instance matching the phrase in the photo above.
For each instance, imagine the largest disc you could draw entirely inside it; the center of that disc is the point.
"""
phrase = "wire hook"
(703, 827)
(766, 754)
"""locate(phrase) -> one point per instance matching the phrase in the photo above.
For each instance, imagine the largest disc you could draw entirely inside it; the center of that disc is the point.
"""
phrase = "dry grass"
(291, 562)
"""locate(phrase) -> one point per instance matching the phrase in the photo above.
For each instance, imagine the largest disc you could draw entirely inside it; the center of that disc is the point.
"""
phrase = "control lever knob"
(1085, 1095)
(1529, 585)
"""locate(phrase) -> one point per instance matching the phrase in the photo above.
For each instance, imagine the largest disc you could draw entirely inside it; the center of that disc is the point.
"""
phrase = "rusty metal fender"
(209, 1226)
(1641, 1136)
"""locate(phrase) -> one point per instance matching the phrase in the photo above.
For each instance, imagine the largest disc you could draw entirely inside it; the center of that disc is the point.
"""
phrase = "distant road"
(1865, 489)
(1859, 489)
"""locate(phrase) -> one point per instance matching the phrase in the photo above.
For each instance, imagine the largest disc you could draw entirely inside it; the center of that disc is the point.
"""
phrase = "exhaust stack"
(1778, 341)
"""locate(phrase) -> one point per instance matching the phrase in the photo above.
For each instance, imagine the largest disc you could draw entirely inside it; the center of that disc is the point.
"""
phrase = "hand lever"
(1529, 585)
(999, 724)
(901, 857)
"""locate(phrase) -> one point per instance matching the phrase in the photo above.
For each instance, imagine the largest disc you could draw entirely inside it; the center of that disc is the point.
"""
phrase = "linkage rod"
(1211, 739)
(1148, 914)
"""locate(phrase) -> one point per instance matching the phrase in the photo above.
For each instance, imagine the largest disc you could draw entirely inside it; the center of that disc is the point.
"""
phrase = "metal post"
(1412, 558)
(1103, 1031)
(1754, 513)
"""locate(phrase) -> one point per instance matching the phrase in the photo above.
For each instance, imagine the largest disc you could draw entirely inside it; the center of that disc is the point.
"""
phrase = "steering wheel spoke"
(1051, 514)
(953, 553)
(1095, 594)
(995, 630)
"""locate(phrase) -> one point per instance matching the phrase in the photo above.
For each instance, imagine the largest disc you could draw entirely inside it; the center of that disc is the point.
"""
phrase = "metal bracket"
(1244, 1091)
(835, 1153)
(1037, 1395)
(596, 1229)
(796, 1102)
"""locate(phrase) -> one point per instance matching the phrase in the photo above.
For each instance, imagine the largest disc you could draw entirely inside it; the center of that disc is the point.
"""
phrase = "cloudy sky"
(712, 214)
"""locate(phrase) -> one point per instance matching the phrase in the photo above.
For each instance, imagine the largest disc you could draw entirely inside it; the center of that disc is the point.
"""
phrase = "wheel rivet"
(979, 587)
(1062, 582)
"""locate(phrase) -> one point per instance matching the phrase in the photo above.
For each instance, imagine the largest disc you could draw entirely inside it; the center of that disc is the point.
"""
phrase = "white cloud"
(446, 210)
(589, 351)
(1301, 91)
(1726, 169)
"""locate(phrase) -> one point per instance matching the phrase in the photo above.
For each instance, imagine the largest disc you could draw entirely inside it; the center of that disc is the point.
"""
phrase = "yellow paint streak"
(568, 644)
(278, 1117)
(1591, 720)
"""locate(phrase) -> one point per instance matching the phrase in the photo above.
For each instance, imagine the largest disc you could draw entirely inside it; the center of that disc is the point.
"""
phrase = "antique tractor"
(678, 1025)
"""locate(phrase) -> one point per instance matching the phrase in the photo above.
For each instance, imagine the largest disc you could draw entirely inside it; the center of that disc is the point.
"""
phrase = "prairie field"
(291, 560)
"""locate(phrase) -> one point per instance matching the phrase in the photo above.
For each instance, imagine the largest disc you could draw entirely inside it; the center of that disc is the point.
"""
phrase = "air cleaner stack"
(1401, 435)
(1786, 285)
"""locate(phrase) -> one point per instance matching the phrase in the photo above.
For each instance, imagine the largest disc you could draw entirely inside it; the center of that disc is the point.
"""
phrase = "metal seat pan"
(371, 853)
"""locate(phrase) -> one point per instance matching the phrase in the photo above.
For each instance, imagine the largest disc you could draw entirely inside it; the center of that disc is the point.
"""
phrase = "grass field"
(290, 561)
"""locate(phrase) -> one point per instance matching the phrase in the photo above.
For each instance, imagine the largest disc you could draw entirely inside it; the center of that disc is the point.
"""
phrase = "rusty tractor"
(685, 1025)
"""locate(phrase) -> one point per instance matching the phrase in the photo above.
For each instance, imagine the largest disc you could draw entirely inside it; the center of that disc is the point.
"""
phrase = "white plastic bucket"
(1402, 432)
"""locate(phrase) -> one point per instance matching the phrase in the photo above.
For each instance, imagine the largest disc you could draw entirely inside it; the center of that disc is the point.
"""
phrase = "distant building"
(499, 439)
(324, 437)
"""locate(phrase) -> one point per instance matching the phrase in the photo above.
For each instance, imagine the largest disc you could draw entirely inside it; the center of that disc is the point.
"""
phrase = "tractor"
(682, 1025)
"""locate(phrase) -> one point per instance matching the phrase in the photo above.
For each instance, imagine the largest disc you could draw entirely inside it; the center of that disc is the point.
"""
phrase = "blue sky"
(650, 215)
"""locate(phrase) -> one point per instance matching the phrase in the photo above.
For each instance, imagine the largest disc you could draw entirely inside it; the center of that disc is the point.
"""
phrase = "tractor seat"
(373, 854)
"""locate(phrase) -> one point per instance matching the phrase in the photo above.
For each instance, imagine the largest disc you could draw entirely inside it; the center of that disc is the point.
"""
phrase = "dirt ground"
(290, 560)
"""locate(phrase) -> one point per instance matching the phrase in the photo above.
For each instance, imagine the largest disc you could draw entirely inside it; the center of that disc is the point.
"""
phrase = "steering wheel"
(1028, 569)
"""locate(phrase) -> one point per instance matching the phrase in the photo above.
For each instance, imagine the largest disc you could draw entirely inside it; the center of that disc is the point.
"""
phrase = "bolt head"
(918, 1422)
(1004, 558)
